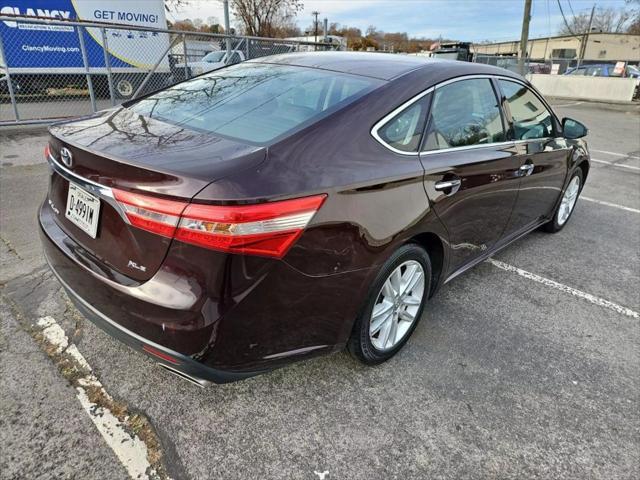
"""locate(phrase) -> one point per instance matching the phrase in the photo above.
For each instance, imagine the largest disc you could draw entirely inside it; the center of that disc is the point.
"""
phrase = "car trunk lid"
(121, 151)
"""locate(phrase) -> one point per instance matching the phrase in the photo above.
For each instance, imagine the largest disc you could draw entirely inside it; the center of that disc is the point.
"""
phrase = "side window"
(404, 131)
(531, 119)
(464, 113)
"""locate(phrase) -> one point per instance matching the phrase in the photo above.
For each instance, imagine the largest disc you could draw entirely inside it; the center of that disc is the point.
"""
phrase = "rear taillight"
(267, 229)
(150, 213)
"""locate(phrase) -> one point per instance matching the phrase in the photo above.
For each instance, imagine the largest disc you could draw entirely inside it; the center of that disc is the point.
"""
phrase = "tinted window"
(254, 102)
(464, 113)
(577, 71)
(404, 131)
(531, 119)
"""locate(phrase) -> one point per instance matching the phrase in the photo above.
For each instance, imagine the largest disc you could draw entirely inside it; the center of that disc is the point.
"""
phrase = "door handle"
(526, 169)
(451, 185)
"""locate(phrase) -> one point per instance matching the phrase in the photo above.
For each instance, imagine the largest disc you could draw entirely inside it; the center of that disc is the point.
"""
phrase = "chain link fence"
(555, 66)
(51, 69)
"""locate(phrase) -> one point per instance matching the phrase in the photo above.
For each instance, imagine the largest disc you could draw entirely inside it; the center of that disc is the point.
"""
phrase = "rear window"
(255, 103)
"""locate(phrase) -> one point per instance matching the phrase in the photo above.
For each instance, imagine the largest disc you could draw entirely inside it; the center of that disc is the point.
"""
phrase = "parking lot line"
(615, 154)
(128, 447)
(609, 204)
(565, 288)
(567, 104)
(629, 167)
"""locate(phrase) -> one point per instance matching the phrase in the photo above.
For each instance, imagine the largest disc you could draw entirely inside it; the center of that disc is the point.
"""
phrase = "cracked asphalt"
(504, 377)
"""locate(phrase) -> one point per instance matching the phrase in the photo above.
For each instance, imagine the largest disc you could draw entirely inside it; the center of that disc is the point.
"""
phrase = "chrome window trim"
(381, 123)
(378, 125)
(469, 147)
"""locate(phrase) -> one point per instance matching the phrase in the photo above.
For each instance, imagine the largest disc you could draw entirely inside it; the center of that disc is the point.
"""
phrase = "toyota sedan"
(298, 205)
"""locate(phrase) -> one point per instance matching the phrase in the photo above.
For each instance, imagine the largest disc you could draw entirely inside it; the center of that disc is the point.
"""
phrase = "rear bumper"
(190, 369)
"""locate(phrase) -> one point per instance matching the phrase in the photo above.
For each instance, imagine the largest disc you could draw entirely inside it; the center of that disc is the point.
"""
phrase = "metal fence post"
(155, 67)
(184, 53)
(85, 62)
(247, 42)
(107, 64)
(9, 84)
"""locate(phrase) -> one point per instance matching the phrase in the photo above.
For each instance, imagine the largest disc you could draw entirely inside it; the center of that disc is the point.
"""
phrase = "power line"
(565, 18)
(572, 13)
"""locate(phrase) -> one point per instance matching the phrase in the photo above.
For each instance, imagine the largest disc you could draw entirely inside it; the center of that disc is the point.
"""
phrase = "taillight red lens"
(153, 214)
(267, 229)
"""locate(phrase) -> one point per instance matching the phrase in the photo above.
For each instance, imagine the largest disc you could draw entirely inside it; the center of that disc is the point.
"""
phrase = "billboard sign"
(43, 46)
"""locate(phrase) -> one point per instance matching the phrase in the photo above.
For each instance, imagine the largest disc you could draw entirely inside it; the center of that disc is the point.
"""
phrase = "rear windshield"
(255, 103)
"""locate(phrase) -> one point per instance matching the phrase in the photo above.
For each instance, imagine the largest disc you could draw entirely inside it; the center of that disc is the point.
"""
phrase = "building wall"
(601, 46)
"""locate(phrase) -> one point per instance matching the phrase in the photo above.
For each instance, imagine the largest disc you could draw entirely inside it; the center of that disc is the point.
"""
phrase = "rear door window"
(531, 119)
(255, 103)
(464, 113)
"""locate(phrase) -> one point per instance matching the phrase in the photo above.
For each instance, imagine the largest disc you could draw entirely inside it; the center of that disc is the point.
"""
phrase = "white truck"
(42, 56)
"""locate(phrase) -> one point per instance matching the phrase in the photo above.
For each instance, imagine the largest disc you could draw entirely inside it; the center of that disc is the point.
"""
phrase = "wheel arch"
(434, 246)
(584, 166)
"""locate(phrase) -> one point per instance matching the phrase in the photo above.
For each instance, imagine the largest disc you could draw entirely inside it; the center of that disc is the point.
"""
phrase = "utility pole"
(315, 24)
(585, 37)
(227, 29)
(524, 37)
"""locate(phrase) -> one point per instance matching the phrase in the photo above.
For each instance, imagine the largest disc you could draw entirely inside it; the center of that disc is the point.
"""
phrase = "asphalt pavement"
(527, 367)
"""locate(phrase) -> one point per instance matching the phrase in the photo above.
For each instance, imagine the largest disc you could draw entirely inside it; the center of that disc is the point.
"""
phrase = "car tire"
(567, 205)
(370, 340)
(124, 88)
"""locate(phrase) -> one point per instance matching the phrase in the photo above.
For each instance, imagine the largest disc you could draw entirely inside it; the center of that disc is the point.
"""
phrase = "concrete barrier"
(605, 89)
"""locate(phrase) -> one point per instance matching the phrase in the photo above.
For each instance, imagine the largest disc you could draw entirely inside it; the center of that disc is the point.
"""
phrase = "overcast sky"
(473, 20)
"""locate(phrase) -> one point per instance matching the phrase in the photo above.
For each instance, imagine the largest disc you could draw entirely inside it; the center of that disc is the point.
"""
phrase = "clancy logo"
(322, 475)
(33, 12)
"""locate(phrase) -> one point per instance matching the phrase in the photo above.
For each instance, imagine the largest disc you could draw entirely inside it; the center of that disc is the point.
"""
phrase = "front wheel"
(567, 203)
(393, 306)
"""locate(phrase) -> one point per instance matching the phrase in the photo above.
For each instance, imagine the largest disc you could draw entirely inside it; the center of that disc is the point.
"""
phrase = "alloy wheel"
(397, 305)
(568, 200)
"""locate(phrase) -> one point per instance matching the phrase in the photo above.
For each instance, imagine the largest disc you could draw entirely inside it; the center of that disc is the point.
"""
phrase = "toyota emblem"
(66, 157)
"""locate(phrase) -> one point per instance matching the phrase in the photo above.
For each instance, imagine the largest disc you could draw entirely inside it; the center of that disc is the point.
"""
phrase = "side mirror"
(573, 129)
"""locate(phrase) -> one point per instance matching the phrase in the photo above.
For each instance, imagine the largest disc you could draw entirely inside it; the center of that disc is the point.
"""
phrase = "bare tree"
(604, 20)
(634, 26)
(265, 18)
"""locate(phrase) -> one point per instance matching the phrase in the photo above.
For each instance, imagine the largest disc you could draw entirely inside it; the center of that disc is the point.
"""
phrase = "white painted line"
(564, 288)
(629, 167)
(609, 204)
(130, 449)
(615, 154)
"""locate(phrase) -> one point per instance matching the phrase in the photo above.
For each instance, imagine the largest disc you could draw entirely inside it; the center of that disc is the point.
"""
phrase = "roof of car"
(384, 66)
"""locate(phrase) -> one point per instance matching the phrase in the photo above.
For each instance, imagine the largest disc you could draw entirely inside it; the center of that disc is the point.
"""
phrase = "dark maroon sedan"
(294, 205)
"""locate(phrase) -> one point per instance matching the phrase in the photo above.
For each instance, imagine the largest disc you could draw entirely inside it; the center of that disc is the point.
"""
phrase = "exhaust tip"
(193, 380)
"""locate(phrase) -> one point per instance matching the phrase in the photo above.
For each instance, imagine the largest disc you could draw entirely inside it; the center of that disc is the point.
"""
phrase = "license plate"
(83, 209)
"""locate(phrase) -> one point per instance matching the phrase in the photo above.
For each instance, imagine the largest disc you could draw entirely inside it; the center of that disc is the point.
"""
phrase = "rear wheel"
(393, 306)
(567, 204)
